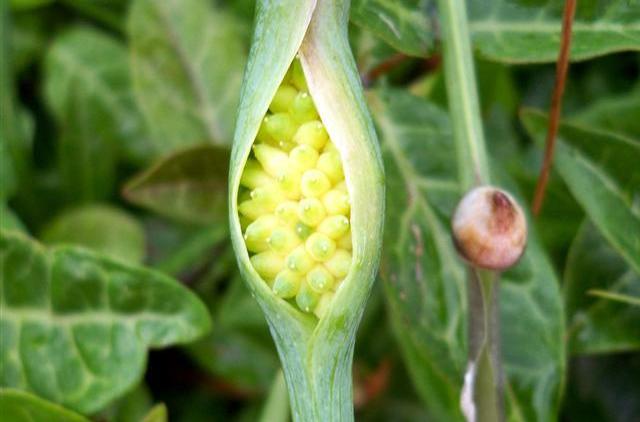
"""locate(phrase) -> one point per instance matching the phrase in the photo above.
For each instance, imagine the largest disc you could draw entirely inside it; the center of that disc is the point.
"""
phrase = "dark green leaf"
(28, 4)
(187, 62)
(240, 350)
(529, 30)
(20, 406)
(87, 89)
(103, 228)
(16, 128)
(600, 169)
(131, 407)
(426, 282)
(597, 324)
(76, 326)
(404, 24)
(189, 185)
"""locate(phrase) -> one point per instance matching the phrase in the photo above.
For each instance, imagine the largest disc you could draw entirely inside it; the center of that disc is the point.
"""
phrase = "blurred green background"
(117, 120)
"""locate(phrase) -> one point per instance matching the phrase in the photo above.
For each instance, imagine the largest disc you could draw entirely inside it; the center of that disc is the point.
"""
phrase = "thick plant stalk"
(481, 398)
(316, 352)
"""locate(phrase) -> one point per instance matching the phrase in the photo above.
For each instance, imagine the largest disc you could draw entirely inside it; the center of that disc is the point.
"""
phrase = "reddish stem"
(562, 67)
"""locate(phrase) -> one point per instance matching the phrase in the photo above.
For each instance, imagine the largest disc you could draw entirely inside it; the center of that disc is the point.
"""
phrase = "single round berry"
(489, 228)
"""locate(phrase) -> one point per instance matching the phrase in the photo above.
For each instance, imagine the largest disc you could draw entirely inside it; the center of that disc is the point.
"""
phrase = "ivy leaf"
(522, 31)
(529, 31)
(426, 282)
(103, 228)
(87, 89)
(404, 24)
(600, 169)
(20, 406)
(598, 324)
(187, 62)
(189, 185)
(76, 325)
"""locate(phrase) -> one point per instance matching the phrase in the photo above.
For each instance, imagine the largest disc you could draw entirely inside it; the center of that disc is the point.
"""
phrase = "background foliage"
(117, 117)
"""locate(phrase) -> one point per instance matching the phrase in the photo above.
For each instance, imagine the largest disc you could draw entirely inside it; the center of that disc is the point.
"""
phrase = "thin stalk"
(473, 169)
(562, 67)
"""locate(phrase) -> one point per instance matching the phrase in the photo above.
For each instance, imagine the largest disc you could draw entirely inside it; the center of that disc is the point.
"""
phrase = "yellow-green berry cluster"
(294, 204)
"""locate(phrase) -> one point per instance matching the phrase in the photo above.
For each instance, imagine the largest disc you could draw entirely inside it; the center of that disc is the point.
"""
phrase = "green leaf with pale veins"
(87, 89)
(598, 324)
(103, 228)
(525, 31)
(601, 170)
(403, 24)
(426, 282)
(76, 326)
(512, 31)
(20, 406)
(189, 185)
(187, 60)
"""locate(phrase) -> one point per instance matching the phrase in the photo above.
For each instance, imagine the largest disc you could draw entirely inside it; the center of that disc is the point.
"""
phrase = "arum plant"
(306, 193)
(489, 227)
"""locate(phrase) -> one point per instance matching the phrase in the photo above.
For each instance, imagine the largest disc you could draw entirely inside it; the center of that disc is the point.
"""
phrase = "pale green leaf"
(404, 24)
(103, 228)
(187, 61)
(529, 30)
(189, 185)
(598, 324)
(20, 406)
(601, 171)
(76, 326)
(426, 283)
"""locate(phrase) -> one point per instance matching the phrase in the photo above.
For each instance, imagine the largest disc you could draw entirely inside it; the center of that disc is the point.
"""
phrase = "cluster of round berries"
(294, 204)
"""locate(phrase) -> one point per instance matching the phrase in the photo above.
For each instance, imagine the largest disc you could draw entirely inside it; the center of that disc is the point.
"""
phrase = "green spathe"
(316, 353)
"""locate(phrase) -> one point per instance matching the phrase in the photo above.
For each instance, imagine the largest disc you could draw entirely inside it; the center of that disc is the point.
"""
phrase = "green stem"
(462, 93)
(484, 350)
(473, 169)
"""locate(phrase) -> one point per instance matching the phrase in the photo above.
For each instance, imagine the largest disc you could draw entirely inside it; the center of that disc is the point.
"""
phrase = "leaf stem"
(462, 92)
(562, 66)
